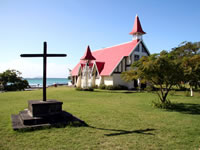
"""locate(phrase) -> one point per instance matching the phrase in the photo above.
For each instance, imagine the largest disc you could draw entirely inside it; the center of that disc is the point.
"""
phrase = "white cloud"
(35, 69)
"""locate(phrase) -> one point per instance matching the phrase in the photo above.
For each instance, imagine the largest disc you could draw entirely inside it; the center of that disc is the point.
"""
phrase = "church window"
(137, 49)
(136, 57)
(96, 74)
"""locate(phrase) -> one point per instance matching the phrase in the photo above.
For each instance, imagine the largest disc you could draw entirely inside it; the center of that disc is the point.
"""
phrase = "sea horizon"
(38, 82)
(42, 77)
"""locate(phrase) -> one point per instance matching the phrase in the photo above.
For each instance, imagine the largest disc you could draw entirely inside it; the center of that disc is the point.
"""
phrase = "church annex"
(105, 66)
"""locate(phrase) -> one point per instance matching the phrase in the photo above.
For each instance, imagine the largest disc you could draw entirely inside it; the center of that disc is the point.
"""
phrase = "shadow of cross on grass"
(123, 132)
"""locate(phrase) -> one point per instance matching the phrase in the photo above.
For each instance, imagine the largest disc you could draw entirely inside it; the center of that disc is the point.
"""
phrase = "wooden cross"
(44, 55)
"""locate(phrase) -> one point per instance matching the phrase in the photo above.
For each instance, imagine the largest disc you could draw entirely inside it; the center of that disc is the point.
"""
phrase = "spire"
(88, 55)
(137, 31)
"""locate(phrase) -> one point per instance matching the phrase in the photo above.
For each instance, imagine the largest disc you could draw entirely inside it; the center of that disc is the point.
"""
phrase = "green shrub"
(11, 80)
(116, 87)
(86, 89)
(122, 87)
(102, 86)
(166, 105)
(90, 89)
(110, 87)
(95, 87)
(17, 86)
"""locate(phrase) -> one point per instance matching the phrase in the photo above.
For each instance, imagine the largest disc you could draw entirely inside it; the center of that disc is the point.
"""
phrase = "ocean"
(38, 82)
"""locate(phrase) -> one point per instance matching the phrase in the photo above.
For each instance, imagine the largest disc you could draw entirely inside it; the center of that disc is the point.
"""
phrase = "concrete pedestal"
(42, 113)
(44, 108)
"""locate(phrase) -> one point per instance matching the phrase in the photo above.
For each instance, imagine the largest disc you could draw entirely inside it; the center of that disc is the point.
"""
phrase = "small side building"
(105, 66)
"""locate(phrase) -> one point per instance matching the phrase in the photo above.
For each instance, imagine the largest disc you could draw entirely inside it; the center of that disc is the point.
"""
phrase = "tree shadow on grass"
(186, 108)
(123, 132)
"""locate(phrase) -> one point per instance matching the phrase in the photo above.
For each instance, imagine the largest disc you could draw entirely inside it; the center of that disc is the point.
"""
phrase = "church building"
(105, 66)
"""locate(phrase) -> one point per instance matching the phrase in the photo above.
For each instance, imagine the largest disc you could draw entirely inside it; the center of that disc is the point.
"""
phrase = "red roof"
(100, 66)
(108, 58)
(88, 55)
(137, 28)
(83, 65)
(74, 72)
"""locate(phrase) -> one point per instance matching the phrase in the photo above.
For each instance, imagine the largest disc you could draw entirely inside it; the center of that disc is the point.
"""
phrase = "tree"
(188, 54)
(11, 81)
(191, 68)
(157, 69)
(186, 49)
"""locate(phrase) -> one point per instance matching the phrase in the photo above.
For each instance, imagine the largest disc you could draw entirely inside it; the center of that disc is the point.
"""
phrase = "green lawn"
(116, 119)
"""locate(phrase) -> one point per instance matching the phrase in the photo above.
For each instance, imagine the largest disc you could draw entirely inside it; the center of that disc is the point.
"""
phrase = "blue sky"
(69, 26)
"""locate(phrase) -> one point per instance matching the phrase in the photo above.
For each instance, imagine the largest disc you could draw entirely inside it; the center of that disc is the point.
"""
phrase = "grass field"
(116, 119)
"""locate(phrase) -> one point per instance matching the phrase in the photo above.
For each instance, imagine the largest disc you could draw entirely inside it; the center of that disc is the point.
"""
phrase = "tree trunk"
(164, 97)
(191, 91)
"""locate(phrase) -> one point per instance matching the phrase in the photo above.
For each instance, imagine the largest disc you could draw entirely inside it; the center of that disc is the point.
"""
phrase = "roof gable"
(110, 57)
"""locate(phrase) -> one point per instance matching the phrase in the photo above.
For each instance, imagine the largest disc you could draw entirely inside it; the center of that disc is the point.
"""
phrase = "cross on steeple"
(44, 55)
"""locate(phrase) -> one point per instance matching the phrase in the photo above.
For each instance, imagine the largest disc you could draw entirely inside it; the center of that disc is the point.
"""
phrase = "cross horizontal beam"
(42, 55)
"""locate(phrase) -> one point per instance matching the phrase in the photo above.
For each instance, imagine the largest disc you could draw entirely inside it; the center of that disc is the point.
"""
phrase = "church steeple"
(137, 31)
(87, 69)
(88, 55)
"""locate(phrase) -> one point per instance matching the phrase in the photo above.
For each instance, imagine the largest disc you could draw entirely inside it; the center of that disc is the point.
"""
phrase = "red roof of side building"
(137, 28)
(109, 57)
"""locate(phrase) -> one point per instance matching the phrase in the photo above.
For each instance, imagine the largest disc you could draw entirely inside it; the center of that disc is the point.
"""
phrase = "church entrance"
(135, 84)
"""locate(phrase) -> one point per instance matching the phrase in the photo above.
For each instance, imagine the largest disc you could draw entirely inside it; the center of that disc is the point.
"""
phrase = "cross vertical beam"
(45, 72)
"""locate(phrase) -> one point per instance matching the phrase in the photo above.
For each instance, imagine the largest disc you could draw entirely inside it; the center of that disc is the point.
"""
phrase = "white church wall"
(97, 81)
(108, 80)
(78, 83)
(118, 81)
